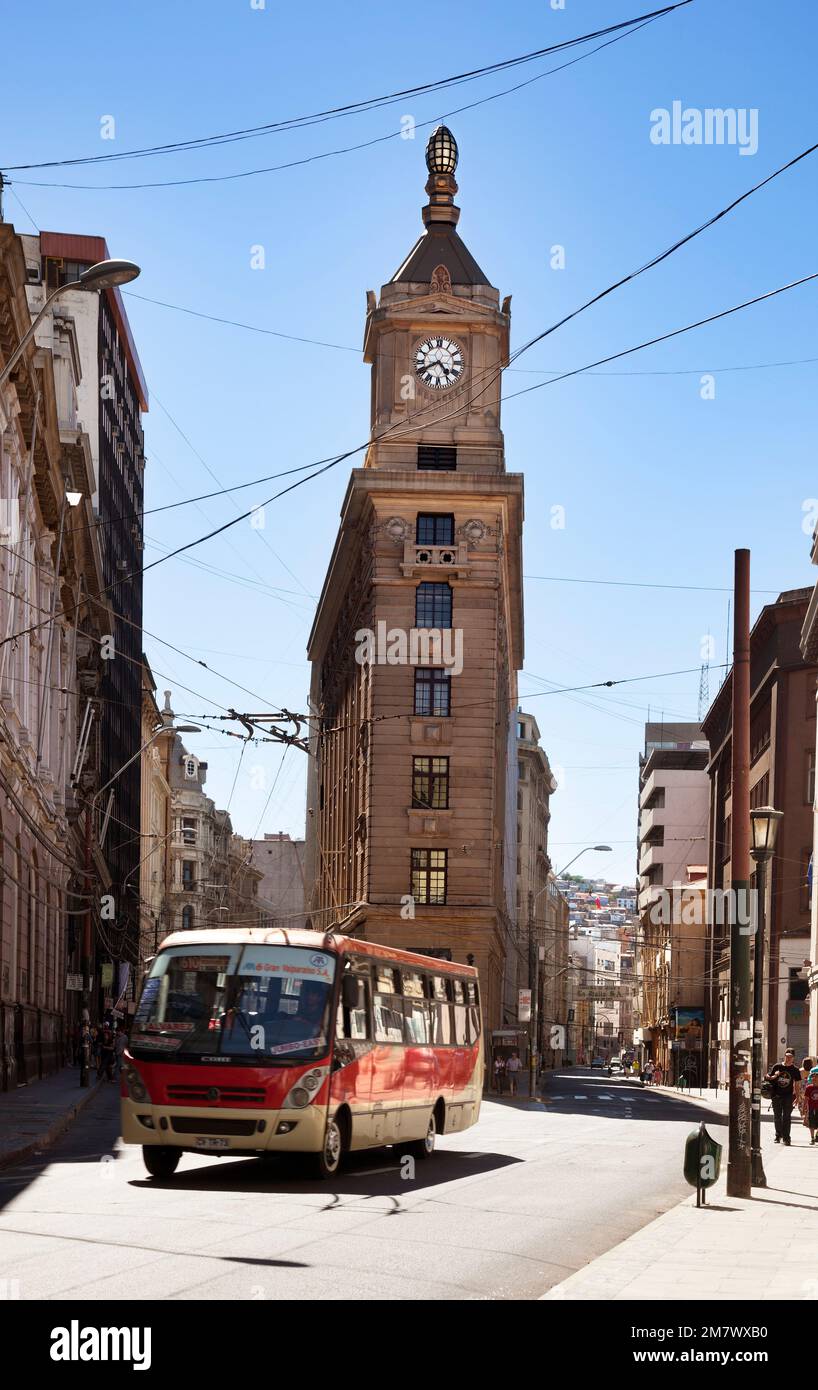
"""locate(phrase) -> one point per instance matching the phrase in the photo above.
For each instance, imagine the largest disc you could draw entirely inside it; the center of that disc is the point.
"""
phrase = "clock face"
(439, 362)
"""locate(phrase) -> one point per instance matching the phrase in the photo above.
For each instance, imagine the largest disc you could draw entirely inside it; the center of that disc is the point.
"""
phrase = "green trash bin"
(702, 1161)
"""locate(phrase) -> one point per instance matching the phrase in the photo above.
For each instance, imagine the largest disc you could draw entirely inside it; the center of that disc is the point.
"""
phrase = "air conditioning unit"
(33, 274)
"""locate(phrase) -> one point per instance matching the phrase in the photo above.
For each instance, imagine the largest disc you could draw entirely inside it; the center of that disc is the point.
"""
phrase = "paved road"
(503, 1211)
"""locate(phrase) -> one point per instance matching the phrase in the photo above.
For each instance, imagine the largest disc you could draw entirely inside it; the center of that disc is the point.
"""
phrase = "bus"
(255, 1042)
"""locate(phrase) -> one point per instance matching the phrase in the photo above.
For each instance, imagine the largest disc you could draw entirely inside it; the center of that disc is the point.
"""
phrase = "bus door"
(442, 1035)
(464, 1067)
(419, 1057)
(352, 1076)
(388, 1059)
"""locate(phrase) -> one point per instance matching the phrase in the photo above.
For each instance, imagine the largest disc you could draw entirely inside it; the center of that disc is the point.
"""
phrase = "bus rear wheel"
(424, 1148)
(328, 1162)
(160, 1161)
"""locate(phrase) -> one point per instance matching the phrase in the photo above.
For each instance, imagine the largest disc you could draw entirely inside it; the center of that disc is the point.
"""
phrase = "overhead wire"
(620, 31)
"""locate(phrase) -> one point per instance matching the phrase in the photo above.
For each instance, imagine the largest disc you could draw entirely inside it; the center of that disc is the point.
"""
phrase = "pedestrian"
(499, 1073)
(648, 1073)
(120, 1044)
(786, 1080)
(811, 1104)
(105, 1066)
(657, 1076)
(807, 1064)
(512, 1071)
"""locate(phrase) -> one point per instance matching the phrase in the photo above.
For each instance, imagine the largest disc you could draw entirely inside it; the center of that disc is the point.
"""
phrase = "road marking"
(580, 1097)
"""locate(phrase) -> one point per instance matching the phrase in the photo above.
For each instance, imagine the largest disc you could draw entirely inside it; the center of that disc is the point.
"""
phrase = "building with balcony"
(809, 651)
(111, 398)
(782, 774)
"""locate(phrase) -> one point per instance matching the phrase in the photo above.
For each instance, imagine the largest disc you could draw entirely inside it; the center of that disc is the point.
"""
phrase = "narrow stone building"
(418, 636)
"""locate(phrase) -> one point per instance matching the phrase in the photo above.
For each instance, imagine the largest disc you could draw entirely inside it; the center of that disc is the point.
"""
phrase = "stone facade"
(45, 556)
(411, 794)
(280, 860)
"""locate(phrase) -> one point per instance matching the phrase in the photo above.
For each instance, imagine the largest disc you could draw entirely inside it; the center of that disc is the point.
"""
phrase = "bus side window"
(441, 1012)
(354, 1023)
(388, 1018)
(416, 1015)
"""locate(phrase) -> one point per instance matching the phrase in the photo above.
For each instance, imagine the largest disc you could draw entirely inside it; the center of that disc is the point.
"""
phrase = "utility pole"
(740, 1114)
(533, 962)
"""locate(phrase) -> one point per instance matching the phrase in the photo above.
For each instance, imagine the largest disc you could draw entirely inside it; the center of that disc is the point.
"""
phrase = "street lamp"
(763, 831)
(586, 850)
(102, 276)
(89, 813)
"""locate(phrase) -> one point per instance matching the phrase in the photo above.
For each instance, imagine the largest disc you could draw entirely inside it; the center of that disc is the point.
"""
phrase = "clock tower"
(418, 635)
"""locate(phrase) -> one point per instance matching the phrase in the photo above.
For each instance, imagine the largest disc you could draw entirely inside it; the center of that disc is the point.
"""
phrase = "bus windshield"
(258, 1002)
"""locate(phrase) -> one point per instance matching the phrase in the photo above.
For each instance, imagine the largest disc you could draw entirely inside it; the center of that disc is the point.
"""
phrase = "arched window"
(191, 766)
(187, 919)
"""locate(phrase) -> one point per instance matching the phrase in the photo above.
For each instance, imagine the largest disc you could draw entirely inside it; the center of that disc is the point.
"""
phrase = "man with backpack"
(785, 1079)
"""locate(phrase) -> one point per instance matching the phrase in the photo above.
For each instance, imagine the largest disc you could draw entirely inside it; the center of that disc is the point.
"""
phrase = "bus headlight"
(305, 1089)
(137, 1090)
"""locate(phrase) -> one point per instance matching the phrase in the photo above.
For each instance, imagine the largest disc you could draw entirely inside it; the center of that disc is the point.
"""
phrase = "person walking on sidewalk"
(499, 1073)
(786, 1078)
(512, 1070)
(657, 1076)
(811, 1104)
(120, 1043)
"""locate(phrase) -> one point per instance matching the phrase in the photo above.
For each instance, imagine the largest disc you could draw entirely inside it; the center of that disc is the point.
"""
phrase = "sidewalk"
(32, 1117)
(733, 1248)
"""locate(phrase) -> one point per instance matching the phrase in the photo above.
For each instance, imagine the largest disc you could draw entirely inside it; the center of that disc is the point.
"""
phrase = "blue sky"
(658, 485)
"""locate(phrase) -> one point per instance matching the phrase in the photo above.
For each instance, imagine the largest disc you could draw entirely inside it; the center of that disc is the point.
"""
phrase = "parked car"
(597, 1062)
(615, 1066)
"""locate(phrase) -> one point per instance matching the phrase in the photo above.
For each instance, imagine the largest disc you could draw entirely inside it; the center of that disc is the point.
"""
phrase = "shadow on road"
(617, 1098)
(373, 1173)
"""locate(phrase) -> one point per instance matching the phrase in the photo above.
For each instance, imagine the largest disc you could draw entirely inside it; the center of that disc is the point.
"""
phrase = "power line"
(467, 405)
(640, 584)
(517, 371)
(620, 31)
(654, 261)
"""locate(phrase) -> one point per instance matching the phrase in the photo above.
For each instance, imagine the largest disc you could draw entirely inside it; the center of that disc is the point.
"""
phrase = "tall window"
(188, 831)
(188, 921)
(429, 872)
(435, 528)
(430, 783)
(434, 458)
(433, 605)
(433, 691)
(188, 875)
(809, 789)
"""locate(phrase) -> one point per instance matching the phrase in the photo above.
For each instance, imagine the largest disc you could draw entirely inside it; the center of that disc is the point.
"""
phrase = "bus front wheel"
(328, 1161)
(160, 1162)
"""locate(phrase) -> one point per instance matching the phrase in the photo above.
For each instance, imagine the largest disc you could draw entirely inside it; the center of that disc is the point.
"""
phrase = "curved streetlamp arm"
(27, 337)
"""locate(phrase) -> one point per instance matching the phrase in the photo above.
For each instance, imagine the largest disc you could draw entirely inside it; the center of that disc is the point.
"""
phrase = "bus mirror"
(349, 992)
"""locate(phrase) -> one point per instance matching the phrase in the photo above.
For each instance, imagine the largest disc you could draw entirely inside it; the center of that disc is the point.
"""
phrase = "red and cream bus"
(257, 1042)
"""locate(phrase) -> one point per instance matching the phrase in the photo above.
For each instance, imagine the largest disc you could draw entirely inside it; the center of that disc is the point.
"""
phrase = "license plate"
(212, 1143)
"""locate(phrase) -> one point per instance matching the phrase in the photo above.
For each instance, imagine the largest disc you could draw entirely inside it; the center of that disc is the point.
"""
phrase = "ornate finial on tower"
(441, 161)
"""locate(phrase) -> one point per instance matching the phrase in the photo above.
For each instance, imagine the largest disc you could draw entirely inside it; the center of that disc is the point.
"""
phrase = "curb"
(53, 1133)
